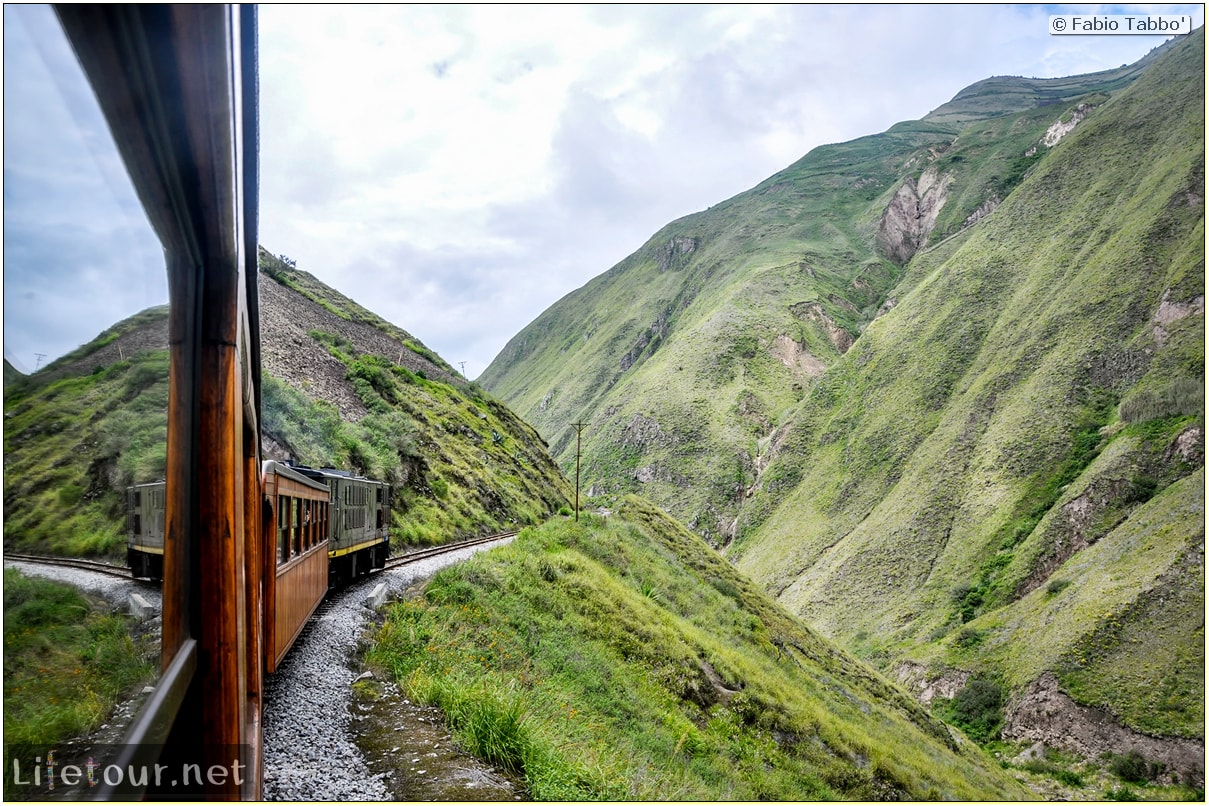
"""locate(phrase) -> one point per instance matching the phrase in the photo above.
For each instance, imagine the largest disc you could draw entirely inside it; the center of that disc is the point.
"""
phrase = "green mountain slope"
(347, 389)
(12, 375)
(998, 476)
(686, 357)
(940, 390)
(622, 658)
(342, 388)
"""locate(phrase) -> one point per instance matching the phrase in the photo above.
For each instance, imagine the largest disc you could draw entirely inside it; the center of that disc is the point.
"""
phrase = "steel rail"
(422, 554)
(71, 562)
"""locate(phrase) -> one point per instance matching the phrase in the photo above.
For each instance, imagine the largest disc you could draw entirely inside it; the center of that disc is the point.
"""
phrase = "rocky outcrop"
(797, 358)
(925, 689)
(1045, 714)
(674, 251)
(1061, 128)
(985, 209)
(1169, 312)
(911, 215)
(641, 432)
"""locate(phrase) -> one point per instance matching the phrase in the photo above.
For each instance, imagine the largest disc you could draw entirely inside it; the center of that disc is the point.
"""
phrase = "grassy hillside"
(373, 398)
(73, 439)
(1004, 474)
(686, 358)
(939, 390)
(622, 658)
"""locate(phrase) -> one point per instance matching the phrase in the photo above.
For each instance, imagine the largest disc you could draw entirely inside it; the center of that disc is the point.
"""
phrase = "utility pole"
(462, 364)
(40, 356)
(579, 430)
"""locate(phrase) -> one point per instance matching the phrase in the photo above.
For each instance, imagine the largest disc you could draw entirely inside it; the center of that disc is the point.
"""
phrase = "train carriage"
(145, 530)
(296, 525)
(177, 87)
(360, 520)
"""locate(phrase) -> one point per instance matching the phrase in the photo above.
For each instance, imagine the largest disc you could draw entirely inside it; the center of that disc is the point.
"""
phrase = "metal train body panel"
(360, 519)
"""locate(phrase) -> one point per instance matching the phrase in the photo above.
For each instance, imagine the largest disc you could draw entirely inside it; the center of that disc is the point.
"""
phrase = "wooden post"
(579, 429)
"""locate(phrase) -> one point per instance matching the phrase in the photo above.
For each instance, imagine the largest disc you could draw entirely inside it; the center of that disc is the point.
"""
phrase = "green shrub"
(1183, 396)
(1122, 794)
(1131, 767)
(977, 709)
(1056, 586)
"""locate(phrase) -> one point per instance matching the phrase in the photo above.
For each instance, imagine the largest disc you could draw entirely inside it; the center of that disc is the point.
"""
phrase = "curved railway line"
(109, 569)
(415, 556)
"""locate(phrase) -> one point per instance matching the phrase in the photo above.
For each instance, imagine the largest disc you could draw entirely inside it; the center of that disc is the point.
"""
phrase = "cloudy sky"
(459, 169)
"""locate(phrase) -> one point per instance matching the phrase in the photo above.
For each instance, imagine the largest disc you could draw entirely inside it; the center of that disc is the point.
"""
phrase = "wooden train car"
(177, 87)
(296, 525)
(145, 530)
(322, 527)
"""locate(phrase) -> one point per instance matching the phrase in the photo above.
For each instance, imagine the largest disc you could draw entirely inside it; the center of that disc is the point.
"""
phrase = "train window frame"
(283, 542)
(295, 527)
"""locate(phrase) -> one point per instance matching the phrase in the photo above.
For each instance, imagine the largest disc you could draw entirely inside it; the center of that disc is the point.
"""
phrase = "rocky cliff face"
(911, 214)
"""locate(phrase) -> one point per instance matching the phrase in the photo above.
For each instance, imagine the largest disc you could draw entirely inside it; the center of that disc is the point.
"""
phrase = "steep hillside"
(686, 358)
(940, 390)
(1004, 475)
(342, 388)
(345, 388)
(81, 429)
(622, 658)
(12, 375)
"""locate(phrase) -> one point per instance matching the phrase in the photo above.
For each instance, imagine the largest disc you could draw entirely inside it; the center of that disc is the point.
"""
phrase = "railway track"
(121, 572)
(72, 562)
(415, 556)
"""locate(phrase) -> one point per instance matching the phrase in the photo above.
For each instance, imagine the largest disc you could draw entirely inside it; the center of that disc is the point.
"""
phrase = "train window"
(138, 524)
(138, 498)
(308, 526)
(283, 530)
(278, 535)
(295, 527)
(81, 254)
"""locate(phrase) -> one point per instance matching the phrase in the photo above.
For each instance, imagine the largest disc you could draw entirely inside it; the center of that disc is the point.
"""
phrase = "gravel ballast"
(309, 752)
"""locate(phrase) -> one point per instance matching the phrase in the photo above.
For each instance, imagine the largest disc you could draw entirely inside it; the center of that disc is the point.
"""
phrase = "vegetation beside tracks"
(68, 661)
(620, 657)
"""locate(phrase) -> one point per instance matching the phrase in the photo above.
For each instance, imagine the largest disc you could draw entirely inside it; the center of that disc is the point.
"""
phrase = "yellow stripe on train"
(368, 544)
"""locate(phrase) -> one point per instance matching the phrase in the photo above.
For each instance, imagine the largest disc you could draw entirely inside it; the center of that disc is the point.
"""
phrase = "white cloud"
(457, 169)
